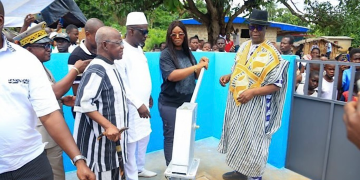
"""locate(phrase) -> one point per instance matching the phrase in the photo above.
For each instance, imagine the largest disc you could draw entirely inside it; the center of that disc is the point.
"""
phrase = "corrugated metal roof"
(241, 20)
(337, 37)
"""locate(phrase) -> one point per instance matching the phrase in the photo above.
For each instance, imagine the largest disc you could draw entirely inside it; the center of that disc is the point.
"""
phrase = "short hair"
(220, 38)
(350, 48)
(314, 49)
(314, 65)
(70, 27)
(314, 73)
(354, 51)
(194, 37)
(291, 38)
(162, 44)
(338, 57)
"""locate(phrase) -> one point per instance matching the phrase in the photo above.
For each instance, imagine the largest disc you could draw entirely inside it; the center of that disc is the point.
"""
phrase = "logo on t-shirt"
(18, 81)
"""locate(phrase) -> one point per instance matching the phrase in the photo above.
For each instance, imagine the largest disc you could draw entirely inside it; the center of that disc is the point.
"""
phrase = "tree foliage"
(322, 17)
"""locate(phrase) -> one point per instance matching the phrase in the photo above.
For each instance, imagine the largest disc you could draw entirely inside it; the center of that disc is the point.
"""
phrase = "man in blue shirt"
(346, 74)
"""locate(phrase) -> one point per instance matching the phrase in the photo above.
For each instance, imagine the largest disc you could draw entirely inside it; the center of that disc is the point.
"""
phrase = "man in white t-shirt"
(134, 71)
(328, 49)
(236, 39)
(26, 94)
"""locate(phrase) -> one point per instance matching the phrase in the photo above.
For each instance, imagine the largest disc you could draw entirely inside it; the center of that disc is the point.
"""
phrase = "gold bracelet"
(195, 68)
(77, 70)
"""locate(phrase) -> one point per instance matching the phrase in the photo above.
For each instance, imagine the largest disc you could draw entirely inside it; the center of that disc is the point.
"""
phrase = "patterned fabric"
(246, 138)
(250, 71)
(101, 89)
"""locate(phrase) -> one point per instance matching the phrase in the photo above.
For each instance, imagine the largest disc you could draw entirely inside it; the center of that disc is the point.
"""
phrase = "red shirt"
(228, 45)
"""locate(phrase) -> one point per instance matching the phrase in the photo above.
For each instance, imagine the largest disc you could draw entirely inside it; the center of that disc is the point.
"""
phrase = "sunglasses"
(258, 27)
(143, 31)
(121, 43)
(180, 35)
(45, 46)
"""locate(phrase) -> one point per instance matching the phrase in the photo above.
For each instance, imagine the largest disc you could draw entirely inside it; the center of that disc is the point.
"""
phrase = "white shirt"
(72, 47)
(26, 94)
(300, 90)
(134, 71)
(236, 39)
(327, 89)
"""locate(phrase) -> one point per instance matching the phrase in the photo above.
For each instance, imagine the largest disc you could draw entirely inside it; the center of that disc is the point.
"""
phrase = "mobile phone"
(38, 17)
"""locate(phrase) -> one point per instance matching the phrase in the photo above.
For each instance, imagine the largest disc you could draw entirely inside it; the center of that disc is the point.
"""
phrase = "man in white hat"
(135, 73)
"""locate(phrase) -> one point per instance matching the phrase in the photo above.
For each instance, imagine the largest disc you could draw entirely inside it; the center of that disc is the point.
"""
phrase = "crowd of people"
(111, 99)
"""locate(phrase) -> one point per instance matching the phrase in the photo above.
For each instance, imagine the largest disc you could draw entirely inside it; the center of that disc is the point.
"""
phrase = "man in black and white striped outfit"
(101, 108)
(255, 102)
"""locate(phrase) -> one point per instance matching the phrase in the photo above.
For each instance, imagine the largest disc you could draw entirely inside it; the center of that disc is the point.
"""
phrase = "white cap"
(136, 18)
(52, 34)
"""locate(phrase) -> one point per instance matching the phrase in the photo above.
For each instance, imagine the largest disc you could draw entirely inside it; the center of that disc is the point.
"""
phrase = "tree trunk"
(213, 30)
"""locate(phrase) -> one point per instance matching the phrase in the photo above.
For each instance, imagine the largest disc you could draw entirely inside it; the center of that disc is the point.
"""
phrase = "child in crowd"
(345, 95)
(346, 73)
(328, 81)
(300, 79)
(324, 58)
(215, 48)
(312, 87)
(206, 47)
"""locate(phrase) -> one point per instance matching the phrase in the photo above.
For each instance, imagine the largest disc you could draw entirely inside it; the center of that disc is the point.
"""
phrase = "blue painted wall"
(211, 100)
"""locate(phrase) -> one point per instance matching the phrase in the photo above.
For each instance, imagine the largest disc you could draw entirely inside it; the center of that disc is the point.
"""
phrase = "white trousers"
(136, 152)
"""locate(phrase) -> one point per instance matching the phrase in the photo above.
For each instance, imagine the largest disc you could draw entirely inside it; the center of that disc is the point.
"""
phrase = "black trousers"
(168, 115)
(37, 169)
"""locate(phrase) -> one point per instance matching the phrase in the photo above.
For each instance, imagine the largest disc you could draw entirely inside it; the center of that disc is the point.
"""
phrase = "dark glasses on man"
(143, 31)
(45, 46)
(120, 43)
(180, 35)
(258, 27)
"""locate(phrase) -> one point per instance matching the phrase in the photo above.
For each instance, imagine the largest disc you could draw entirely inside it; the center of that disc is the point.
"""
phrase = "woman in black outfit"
(179, 71)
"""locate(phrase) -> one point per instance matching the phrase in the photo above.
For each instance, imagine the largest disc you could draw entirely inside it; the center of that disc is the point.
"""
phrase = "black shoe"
(234, 175)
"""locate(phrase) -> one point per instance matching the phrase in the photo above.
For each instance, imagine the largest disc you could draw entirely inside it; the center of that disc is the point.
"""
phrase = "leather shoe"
(234, 175)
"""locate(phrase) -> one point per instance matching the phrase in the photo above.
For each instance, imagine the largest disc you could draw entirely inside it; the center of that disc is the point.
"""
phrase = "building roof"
(241, 20)
(315, 39)
(337, 37)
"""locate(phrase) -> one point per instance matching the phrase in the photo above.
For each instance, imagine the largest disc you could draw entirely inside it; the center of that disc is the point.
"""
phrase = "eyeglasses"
(143, 31)
(121, 43)
(258, 27)
(180, 35)
(46, 46)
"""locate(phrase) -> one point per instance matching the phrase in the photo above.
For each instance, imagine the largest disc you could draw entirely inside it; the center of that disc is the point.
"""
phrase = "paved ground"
(212, 164)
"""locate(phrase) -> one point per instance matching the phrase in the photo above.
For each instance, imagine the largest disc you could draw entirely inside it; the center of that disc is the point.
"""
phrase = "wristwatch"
(78, 157)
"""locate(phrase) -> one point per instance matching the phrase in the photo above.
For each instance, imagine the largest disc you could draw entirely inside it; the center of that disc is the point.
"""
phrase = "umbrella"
(67, 10)
(16, 10)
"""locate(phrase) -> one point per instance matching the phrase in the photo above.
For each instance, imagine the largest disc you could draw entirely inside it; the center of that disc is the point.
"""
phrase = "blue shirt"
(346, 79)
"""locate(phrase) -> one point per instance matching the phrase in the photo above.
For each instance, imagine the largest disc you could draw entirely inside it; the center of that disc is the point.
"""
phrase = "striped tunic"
(101, 89)
(246, 132)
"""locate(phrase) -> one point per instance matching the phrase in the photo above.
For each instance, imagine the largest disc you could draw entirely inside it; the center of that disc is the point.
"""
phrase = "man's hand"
(68, 100)
(151, 102)
(352, 122)
(224, 80)
(81, 65)
(144, 112)
(28, 20)
(112, 133)
(246, 96)
(83, 171)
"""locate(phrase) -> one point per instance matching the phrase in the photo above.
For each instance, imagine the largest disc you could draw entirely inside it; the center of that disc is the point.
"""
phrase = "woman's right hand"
(203, 63)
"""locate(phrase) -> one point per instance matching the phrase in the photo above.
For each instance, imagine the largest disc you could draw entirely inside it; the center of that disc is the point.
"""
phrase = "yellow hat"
(36, 34)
